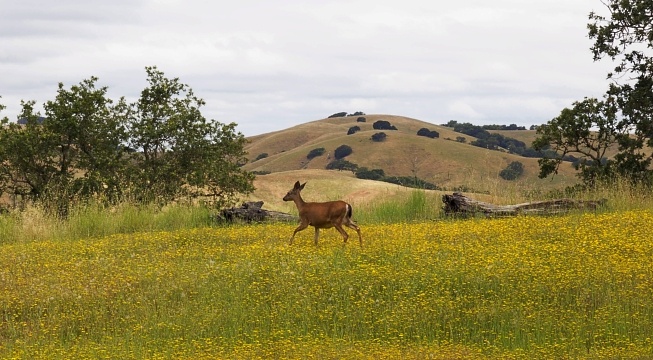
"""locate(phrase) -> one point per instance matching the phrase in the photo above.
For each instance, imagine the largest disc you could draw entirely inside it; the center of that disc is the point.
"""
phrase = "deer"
(322, 215)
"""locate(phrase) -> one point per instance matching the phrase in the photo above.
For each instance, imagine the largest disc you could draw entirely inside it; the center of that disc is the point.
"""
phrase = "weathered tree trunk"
(253, 212)
(459, 204)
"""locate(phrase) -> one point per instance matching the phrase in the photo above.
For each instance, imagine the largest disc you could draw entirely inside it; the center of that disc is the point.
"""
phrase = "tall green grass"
(93, 220)
(416, 206)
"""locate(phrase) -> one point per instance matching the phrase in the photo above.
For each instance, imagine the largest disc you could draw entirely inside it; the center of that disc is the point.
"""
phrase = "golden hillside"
(441, 161)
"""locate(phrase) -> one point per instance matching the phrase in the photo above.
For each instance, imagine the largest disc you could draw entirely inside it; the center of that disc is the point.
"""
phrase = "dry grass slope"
(446, 163)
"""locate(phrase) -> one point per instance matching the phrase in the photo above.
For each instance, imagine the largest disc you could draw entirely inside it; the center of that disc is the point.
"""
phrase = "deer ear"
(302, 187)
(296, 185)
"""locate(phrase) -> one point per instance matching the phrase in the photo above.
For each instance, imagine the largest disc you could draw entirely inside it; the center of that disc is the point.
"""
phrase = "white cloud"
(270, 65)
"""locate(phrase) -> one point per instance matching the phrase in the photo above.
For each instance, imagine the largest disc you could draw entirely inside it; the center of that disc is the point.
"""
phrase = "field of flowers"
(574, 286)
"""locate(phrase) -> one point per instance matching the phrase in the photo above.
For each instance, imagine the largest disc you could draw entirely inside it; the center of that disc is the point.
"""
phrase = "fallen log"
(459, 204)
(252, 211)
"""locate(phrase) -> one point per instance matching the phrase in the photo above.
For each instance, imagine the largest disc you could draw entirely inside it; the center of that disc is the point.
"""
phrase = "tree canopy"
(623, 119)
(86, 145)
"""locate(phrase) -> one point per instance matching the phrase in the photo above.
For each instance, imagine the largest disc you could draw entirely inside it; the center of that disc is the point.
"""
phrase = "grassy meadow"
(136, 283)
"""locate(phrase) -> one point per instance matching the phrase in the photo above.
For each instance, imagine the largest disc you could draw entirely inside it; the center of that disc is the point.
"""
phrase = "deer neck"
(299, 202)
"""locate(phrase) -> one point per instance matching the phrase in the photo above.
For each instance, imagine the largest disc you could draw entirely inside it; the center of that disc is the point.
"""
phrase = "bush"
(353, 130)
(261, 156)
(410, 181)
(428, 133)
(514, 170)
(261, 172)
(342, 164)
(378, 137)
(361, 119)
(342, 151)
(383, 125)
(337, 115)
(374, 174)
(315, 153)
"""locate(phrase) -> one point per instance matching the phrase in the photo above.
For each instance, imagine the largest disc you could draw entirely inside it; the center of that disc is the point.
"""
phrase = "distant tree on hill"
(514, 170)
(353, 130)
(383, 125)
(315, 153)
(428, 133)
(337, 115)
(342, 151)
(370, 174)
(379, 137)
(261, 156)
(361, 119)
(342, 164)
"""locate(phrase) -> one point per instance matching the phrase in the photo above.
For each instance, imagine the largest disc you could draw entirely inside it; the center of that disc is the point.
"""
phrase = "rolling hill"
(442, 161)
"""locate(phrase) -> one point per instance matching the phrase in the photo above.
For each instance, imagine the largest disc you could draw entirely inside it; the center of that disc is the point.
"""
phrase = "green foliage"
(379, 137)
(352, 130)
(261, 156)
(315, 153)
(514, 170)
(622, 118)
(383, 125)
(342, 151)
(86, 146)
(428, 133)
(572, 132)
(342, 164)
(337, 115)
(361, 119)
(373, 174)
(411, 181)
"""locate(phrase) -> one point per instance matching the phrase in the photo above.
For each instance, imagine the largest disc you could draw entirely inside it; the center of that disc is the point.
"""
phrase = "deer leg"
(342, 232)
(353, 225)
(317, 234)
(301, 227)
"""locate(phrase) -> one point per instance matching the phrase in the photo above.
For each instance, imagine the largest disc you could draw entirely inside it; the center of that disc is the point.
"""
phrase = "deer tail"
(350, 211)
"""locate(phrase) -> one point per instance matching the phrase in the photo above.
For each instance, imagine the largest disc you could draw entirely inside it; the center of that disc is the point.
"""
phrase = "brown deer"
(322, 215)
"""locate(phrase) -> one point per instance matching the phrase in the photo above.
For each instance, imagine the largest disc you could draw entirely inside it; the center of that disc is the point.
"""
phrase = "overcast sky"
(270, 65)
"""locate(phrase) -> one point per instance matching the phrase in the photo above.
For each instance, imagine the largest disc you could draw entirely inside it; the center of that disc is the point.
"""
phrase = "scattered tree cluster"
(344, 113)
(341, 164)
(454, 123)
(342, 151)
(383, 125)
(337, 115)
(315, 153)
(354, 129)
(491, 141)
(407, 181)
(86, 145)
(379, 137)
(428, 133)
(261, 156)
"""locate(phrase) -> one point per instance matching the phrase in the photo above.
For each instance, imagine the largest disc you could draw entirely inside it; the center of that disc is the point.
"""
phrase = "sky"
(271, 65)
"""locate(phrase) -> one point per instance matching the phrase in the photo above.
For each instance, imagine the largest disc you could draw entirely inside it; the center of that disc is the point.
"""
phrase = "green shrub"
(379, 137)
(341, 164)
(373, 174)
(514, 170)
(353, 130)
(342, 151)
(315, 153)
